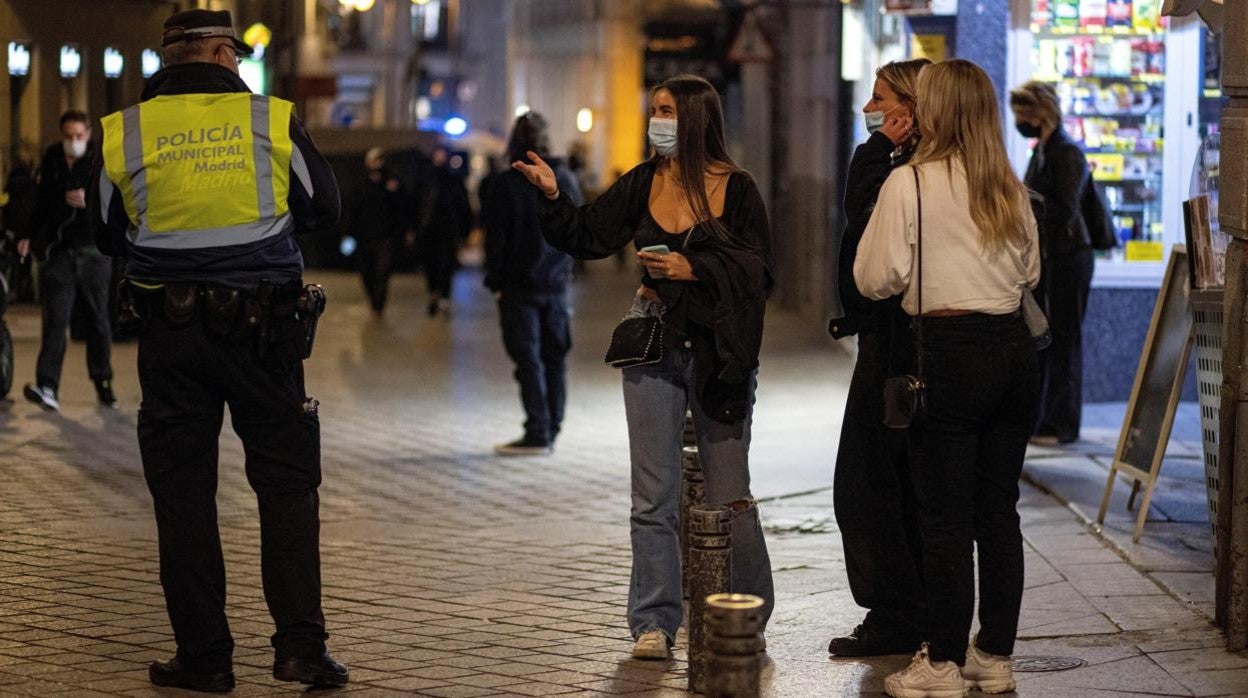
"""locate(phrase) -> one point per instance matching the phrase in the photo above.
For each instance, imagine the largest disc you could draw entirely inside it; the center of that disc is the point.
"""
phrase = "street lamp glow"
(455, 126)
(364, 5)
(584, 120)
(420, 2)
(522, 109)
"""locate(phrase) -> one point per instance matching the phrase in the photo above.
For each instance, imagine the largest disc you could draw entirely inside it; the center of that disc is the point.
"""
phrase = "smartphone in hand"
(655, 249)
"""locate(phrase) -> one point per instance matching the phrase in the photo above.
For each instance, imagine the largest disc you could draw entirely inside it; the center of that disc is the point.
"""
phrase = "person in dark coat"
(872, 493)
(74, 270)
(529, 278)
(376, 224)
(448, 221)
(1058, 173)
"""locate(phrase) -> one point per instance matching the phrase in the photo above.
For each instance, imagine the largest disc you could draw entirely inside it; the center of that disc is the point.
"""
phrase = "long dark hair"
(700, 143)
(528, 133)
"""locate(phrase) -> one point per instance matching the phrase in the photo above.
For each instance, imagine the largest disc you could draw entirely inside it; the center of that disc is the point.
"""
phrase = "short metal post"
(733, 649)
(692, 490)
(710, 572)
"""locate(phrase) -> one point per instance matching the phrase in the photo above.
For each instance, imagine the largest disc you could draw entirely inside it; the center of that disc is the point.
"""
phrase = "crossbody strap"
(918, 318)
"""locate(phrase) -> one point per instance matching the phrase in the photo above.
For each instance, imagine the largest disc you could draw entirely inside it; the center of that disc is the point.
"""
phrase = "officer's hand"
(539, 174)
(23, 248)
(76, 198)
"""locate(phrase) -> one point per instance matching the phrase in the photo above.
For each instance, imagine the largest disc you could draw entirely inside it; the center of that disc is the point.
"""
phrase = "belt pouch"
(222, 308)
(180, 301)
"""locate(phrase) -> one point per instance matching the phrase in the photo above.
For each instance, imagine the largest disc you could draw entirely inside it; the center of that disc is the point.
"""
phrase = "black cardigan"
(1058, 172)
(873, 161)
(721, 314)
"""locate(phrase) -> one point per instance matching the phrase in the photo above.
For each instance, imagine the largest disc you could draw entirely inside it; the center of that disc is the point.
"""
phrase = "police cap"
(202, 24)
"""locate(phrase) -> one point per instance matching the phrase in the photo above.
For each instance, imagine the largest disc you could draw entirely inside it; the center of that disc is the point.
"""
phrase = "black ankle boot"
(173, 674)
(314, 671)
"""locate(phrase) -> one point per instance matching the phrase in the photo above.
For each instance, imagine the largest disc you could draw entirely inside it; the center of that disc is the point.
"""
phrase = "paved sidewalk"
(450, 572)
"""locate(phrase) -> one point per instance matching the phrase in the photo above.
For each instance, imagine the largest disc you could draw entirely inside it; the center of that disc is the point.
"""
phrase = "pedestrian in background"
(710, 288)
(529, 278)
(872, 492)
(959, 222)
(375, 219)
(448, 220)
(213, 289)
(73, 269)
(1058, 172)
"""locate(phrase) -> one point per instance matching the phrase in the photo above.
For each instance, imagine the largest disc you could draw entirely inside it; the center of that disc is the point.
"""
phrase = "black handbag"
(905, 396)
(636, 341)
(1097, 217)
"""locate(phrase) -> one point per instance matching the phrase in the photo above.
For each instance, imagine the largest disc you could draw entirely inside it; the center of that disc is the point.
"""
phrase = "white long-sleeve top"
(958, 273)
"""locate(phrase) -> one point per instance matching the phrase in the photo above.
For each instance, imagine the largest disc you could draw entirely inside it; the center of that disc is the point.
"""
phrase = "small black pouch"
(636, 341)
(223, 310)
(904, 399)
(180, 302)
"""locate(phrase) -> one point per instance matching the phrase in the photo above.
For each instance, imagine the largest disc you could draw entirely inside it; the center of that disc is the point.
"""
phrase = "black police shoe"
(173, 674)
(873, 641)
(320, 671)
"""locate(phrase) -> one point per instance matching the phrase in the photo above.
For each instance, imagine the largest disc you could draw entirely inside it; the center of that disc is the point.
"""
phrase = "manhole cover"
(1046, 663)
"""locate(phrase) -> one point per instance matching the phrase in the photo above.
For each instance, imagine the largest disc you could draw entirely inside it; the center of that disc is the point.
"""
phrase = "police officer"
(202, 188)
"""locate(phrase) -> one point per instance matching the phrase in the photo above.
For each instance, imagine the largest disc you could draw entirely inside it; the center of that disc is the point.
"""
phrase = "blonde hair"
(959, 120)
(903, 78)
(1035, 100)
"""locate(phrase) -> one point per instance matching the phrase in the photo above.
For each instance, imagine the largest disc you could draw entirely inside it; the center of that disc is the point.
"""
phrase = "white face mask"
(875, 119)
(662, 134)
(74, 148)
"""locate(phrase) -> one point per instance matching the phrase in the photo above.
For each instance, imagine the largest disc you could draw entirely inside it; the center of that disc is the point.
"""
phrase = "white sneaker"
(987, 672)
(41, 396)
(652, 645)
(923, 679)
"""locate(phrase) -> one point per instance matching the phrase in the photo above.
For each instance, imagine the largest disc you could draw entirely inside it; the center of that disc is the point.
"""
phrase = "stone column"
(1232, 581)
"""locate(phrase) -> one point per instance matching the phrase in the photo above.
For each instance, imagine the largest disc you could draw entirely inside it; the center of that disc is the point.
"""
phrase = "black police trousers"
(187, 377)
(872, 493)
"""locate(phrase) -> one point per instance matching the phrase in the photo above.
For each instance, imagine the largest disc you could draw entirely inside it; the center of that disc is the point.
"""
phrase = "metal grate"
(1207, 313)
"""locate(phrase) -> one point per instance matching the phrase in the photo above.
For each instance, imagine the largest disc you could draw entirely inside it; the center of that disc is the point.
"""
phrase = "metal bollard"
(710, 572)
(734, 646)
(692, 491)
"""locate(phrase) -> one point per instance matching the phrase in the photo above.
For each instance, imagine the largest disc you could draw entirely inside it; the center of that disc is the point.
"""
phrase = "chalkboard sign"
(1158, 384)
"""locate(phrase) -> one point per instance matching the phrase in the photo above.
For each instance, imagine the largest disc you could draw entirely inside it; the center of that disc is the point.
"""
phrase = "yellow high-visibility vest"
(200, 170)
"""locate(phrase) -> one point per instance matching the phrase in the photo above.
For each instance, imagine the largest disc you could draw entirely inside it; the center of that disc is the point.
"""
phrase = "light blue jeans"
(655, 399)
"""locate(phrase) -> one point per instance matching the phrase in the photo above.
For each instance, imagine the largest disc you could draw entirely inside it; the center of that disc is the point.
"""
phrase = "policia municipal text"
(213, 288)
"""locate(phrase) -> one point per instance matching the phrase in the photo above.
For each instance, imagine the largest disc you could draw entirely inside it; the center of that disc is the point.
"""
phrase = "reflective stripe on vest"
(202, 170)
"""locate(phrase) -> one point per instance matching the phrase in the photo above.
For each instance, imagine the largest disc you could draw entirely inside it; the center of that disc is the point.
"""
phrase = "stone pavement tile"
(1206, 673)
(1133, 675)
(540, 689)
(457, 691)
(1148, 612)
(1108, 579)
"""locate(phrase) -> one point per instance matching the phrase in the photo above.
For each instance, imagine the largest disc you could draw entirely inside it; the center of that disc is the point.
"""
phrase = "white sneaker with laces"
(924, 679)
(651, 645)
(988, 673)
(41, 396)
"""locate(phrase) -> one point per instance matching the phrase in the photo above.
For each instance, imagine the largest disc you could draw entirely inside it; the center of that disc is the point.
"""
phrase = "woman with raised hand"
(953, 232)
(871, 494)
(708, 276)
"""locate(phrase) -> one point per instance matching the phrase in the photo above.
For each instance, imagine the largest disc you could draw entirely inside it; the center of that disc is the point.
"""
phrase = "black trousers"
(376, 266)
(1063, 294)
(872, 493)
(84, 275)
(967, 454)
(187, 377)
(537, 334)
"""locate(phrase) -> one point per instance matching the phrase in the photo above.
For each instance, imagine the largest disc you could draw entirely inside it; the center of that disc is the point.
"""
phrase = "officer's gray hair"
(191, 51)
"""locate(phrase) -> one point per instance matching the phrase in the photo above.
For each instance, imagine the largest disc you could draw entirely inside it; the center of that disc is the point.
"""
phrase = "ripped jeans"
(655, 398)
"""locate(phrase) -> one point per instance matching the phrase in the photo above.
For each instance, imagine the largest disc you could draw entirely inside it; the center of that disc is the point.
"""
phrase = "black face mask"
(1028, 130)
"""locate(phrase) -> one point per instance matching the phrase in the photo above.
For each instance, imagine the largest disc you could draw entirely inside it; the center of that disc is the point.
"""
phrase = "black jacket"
(1058, 173)
(55, 224)
(313, 206)
(872, 163)
(721, 314)
(375, 211)
(517, 257)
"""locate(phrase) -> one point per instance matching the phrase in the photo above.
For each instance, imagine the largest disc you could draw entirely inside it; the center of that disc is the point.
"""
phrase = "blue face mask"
(662, 134)
(875, 119)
